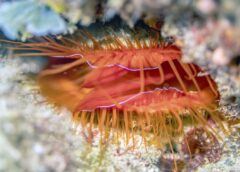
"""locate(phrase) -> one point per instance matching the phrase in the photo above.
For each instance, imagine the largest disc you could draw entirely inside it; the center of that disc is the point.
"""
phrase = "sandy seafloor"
(35, 136)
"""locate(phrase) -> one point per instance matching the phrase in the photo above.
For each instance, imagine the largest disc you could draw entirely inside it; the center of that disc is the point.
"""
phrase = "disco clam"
(127, 86)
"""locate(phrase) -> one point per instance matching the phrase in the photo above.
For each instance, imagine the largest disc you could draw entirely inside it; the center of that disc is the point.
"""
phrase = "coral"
(35, 19)
(200, 147)
(131, 11)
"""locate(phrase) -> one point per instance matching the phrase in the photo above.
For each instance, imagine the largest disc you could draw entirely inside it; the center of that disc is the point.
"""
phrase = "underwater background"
(37, 136)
